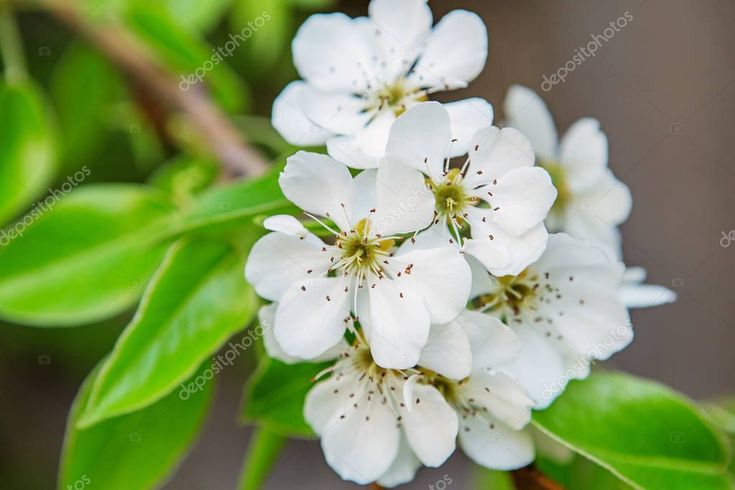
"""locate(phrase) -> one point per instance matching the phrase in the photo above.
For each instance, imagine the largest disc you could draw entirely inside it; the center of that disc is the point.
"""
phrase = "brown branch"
(530, 478)
(126, 52)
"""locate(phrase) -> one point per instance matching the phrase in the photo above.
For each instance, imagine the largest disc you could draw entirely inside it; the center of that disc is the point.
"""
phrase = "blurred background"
(663, 89)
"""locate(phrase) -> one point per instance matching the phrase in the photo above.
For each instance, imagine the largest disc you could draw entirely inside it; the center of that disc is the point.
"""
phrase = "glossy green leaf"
(83, 257)
(580, 474)
(139, 450)
(238, 203)
(274, 396)
(644, 433)
(84, 87)
(197, 299)
(186, 53)
(26, 149)
(184, 177)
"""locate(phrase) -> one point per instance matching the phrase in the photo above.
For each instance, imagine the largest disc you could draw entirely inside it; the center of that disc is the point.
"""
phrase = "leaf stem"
(530, 478)
(11, 46)
(265, 446)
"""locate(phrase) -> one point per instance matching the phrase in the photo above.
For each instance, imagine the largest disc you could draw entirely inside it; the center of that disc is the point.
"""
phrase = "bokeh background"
(663, 89)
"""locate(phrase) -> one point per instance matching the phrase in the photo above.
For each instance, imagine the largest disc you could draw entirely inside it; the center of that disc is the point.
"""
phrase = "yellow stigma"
(360, 252)
(451, 197)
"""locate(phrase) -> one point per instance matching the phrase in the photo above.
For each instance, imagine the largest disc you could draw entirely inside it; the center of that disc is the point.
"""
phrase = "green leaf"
(184, 177)
(185, 52)
(83, 257)
(265, 446)
(26, 149)
(200, 15)
(268, 24)
(238, 203)
(274, 396)
(644, 433)
(197, 299)
(137, 451)
(485, 479)
(84, 87)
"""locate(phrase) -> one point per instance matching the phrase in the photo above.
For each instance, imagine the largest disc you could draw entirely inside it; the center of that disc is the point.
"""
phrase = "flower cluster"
(424, 268)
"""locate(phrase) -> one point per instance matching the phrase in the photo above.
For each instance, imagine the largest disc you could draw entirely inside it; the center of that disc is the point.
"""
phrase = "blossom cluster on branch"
(425, 268)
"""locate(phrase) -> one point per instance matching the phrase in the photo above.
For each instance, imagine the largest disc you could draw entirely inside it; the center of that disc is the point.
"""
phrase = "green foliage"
(201, 15)
(644, 433)
(194, 303)
(86, 257)
(84, 87)
(26, 149)
(274, 396)
(134, 451)
(184, 177)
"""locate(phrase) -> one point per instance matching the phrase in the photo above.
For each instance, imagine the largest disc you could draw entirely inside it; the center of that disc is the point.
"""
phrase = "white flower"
(498, 192)
(360, 74)
(591, 201)
(396, 294)
(565, 310)
(379, 424)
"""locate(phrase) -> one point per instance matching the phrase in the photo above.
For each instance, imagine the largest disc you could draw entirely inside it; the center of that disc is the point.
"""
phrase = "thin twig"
(530, 478)
(125, 51)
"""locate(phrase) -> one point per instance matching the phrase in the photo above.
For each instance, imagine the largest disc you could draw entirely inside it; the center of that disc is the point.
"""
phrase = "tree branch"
(530, 478)
(125, 51)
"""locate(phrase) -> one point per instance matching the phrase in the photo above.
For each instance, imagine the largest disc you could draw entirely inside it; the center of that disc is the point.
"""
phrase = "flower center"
(451, 198)
(398, 96)
(559, 180)
(361, 252)
(515, 293)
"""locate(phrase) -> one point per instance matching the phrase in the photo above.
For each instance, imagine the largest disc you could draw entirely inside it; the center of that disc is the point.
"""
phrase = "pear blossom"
(396, 293)
(565, 310)
(591, 202)
(497, 195)
(379, 424)
(360, 74)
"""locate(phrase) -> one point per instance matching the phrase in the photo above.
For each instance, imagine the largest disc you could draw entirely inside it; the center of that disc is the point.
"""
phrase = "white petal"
(435, 236)
(544, 364)
(501, 396)
(448, 351)
(332, 53)
(328, 400)
(338, 113)
(420, 138)
(634, 274)
(608, 200)
(499, 447)
(287, 224)
(362, 446)
(278, 260)
(365, 148)
(525, 111)
(309, 321)
(440, 276)
(404, 467)
(403, 24)
(482, 281)
(266, 317)
(404, 202)
(455, 52)
(467, 117)
(500, 252)
(645, 295)
(494, 152)
(396, 338)
(290, 119)
(430, 425)
(522, 199)
(319, 185)
(493, 343)
(583, 153)
(365, 199)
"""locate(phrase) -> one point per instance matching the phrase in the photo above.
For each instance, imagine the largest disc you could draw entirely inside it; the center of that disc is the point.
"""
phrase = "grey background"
(664, 91)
